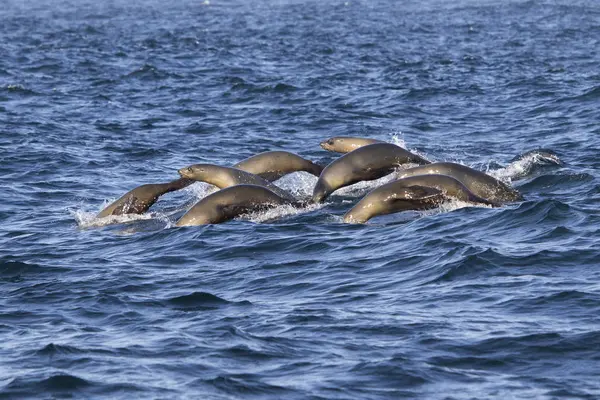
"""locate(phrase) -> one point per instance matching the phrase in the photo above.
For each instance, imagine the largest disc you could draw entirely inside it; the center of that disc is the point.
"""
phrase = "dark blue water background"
(97, 97)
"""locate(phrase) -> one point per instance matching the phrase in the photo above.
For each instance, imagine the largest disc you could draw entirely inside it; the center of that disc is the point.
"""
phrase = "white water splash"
(523, 166)
(398, 140)
(200, 190)
(88, 219)
(299, 184)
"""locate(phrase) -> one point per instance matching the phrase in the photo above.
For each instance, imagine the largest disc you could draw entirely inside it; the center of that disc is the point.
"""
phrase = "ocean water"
(461, 302)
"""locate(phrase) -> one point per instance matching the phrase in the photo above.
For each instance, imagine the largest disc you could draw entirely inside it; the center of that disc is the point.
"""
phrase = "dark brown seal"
(140, 199)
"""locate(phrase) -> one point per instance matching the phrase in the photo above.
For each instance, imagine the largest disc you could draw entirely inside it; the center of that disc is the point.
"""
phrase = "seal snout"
(186, 172)
(320, 192)
(327, 144)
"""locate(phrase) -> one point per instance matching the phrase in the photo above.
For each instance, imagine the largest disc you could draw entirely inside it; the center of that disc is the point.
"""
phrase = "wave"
(201, 301)
(150, 72)
(20, 89)
(66, 385)
(54, 349)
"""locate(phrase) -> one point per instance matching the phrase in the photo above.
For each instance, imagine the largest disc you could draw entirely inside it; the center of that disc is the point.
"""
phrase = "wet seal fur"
(140, 199)
(223, 177)
(346, 144)
(229, 203)
(413, 193)
(272, 165)
(481, 184)
(366, 163)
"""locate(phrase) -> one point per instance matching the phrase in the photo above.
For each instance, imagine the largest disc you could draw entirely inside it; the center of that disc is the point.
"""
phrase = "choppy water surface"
(460, 302)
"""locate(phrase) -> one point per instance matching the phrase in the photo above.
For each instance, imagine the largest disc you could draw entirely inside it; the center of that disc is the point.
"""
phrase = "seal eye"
(190, 169)
(330, 142)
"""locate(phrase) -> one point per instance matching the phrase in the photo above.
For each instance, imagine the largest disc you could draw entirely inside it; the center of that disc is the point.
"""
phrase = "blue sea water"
(462, 302)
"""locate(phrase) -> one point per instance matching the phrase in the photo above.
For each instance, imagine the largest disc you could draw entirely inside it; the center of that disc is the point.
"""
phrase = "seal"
(412, 193)
(346, 144)
(543, 156)
(230, 202)
(272, 165)
(531, 162)
(366, 163)
(223, 177)
(477, 182)
(140, 199)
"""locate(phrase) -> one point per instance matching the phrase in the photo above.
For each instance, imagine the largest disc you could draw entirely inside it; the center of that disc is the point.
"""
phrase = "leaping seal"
(366, 163)
(140, 199)
(413, 193)
(346, 144)
(477, 182)
(272, 165)
(230, 202)
(223, 177)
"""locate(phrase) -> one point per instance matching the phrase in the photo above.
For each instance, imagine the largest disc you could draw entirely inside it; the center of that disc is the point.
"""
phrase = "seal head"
(346, 144)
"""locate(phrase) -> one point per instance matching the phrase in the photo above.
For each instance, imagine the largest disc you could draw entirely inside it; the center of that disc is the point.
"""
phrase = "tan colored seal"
(366, 163)
(413, 193)
(223, 177)
(477, 182)
(346, 144)
(229, 203)
(272, 165)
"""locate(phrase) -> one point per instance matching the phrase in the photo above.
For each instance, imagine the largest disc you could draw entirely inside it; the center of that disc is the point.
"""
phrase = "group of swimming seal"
(247, 186)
